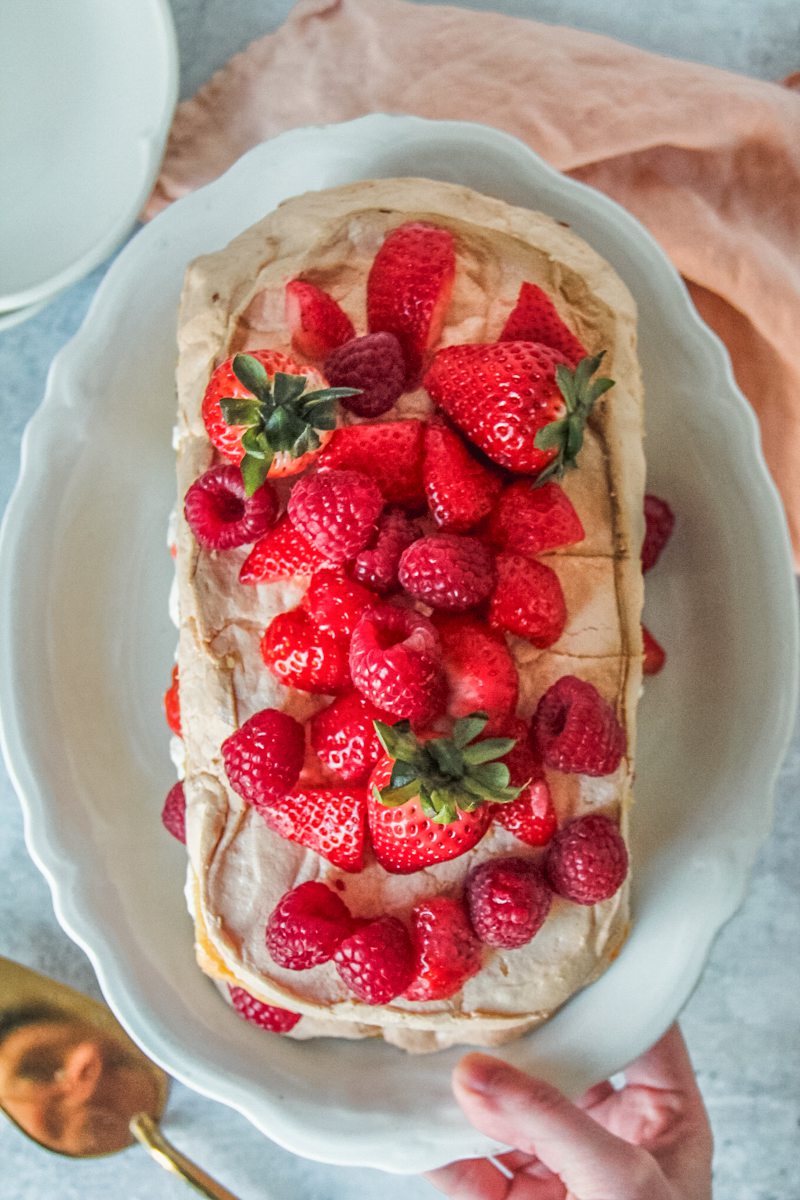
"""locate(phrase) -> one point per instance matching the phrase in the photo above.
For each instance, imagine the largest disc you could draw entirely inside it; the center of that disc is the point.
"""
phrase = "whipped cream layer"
(239, 868)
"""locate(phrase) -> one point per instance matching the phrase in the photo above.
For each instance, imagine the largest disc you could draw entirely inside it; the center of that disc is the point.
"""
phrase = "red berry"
(374, 364)
(336, 602)
(480, 672)
(343, 736)
(534, 318)
(528, 520)
(221, 515)
(316, 321)
(659, 522)
(654, 654)
(336, 511)
(377, 564)
(173, 814)
(576, 730)
(377, 961)
(307, 926)
(409, 287)
(446, 951)
(528, 600)
(283, 553)
(508, 901)
(404, 840)
(328, 820)
(172, 704)
(266, 1016)
(304, 656)
(587, 860)
(460, 490)
(532, 816)
(447, 571)
(263, 758)
(390, 452)
(396, 662)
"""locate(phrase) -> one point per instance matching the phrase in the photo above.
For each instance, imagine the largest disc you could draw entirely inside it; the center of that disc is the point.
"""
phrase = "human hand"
(649, 1141)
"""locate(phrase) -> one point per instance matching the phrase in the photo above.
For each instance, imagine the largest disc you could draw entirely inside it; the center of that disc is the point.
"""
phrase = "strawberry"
(446, 951)
(447, 571)
(307, 926)
(460, 490)
(336, 602)
(328, 820)
(377, 564)
(377, 960)
(283, 553)
(221, 515)
(396, 662)
(480, 672)
(508, 901)
(528, 600)
(343, 736)
(531, 817)
(172, 704)
(534, 318)
(654, 654)
(429, 799)
(173, 814)
(303, 656)
(409, 287)
(517, 401)
(576, 730)
(587, 860)
(374, 364)
(659, 522)
(529, 520)
(317, 323)
(259, 413)
(263, 758)
(390, 452)
(336, 511)
(265, 1016)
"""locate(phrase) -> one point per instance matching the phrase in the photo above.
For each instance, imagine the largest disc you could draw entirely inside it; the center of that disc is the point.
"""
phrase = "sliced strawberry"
(528, 600)
(446, 951)
(283, 553)
(460, 490)
(316, 322)
(480, 672)
(343, 736)
(304, 656)
(409, 288)
(529, 520)
(336, 602)
(532, 816)
(534, 318)
(654, 654)
(172, 704)
(329, 820)
(390, 452)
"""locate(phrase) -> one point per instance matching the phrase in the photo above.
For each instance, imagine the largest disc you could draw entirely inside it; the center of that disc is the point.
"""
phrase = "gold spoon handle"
(146, 1131)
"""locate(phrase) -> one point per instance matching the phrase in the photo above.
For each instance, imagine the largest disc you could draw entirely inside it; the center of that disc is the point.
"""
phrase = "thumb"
(532, 1116)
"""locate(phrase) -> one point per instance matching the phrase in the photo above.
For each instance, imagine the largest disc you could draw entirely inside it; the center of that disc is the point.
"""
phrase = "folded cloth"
(707, 160)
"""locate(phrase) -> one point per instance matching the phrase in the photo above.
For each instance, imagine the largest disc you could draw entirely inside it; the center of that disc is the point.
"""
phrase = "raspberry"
(266, 1016)
(307, 926)
(576, 730)
(344, 739)
(587, 860)
(375, 364)
(528, 600)
(377, 961)
(219, 513)
(508, 901)
(303, 656)
(659, 522)
(173, 814)
(336, 602)
(448, 571)
(336, 511)
(529, 520)
(172, 704)
(377, 564)
(264, 757)
(446, 951)
(396, 662)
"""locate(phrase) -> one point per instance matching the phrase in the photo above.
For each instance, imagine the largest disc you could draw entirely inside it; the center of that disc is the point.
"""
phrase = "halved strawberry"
(316, 322)
(329, 820)
(446, 951)
(172, 704)
(304, 656)
(528, 600)
(532, 816)
(480, 672)
(460, 490)
(390, 452)
(267, 413)
(517, 401)
(529, 520)
(409, 288)
(534, 318)
(336, 602)
(654, 654)
(283, 553)
(343, 736)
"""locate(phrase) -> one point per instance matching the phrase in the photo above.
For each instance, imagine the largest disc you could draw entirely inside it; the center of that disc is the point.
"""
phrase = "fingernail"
(482, 1074)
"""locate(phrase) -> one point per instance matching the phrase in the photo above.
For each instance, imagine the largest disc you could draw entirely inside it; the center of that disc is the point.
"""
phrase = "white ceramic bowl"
(87, 647)
(87, 92)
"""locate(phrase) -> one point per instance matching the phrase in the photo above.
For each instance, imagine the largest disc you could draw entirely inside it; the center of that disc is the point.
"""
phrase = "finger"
(536, 1118)
(470, 1179)
(666, 1065)
(596, 1095)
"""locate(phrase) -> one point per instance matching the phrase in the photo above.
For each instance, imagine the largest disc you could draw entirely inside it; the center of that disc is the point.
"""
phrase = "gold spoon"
(73, 1081)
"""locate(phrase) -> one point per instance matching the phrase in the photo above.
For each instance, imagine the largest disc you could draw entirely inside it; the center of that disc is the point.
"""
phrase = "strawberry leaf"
(252, 375)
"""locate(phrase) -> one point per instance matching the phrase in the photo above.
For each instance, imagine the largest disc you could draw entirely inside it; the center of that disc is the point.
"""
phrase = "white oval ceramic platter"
(87, 647)
(88, 90)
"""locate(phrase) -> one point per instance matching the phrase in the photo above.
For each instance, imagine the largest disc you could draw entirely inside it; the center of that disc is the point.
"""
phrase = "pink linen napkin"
(709, 161)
